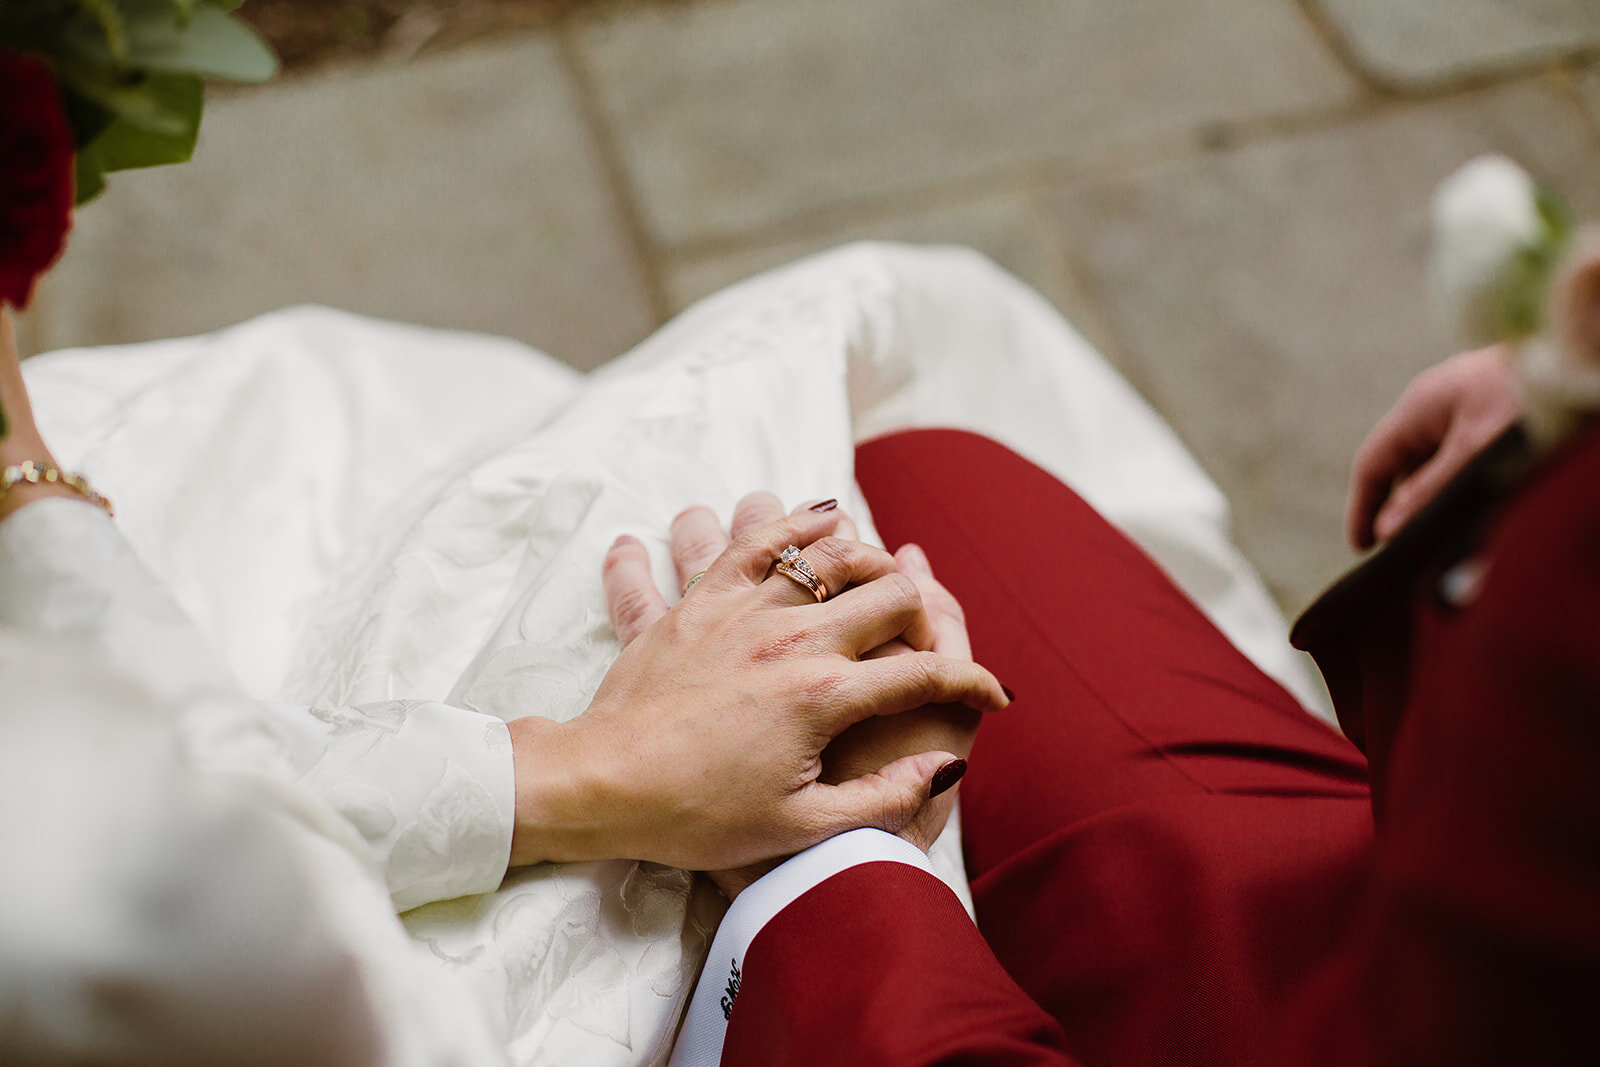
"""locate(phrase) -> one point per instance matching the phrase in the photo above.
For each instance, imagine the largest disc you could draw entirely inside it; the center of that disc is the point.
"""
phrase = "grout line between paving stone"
(1569, 79)
(1106, 335)
(623, 190)
(1485, 74)
(1192, 143)
(1339, 46)
(1223, 136)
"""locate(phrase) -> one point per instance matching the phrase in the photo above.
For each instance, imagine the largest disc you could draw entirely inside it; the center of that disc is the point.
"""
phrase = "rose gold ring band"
(792, 565)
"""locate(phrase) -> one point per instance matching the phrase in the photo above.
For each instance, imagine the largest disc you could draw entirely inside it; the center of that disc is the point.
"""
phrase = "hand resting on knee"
(710, 745)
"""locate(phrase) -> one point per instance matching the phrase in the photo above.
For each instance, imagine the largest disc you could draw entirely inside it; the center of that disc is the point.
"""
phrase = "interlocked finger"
(894, 684)
(696, 540)
(632, 598)
(944, 610)
(882, 610)
(755, 511)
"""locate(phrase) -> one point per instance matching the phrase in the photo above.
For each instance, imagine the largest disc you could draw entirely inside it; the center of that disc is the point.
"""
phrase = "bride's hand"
(869, 746)
(703, 746)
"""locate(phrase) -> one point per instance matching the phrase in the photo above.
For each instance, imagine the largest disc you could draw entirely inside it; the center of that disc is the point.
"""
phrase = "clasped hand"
(704, 746)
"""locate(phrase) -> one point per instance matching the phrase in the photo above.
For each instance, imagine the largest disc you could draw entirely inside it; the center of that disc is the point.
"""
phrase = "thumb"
(891, 798)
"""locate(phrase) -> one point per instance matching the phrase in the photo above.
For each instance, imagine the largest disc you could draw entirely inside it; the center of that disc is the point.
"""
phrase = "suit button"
(1460, 585)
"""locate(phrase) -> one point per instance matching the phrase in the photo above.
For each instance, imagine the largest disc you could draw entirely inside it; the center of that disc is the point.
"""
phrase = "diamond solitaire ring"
(792, 565)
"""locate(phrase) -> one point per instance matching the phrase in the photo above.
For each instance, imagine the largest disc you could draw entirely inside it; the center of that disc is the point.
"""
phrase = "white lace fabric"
(390, 539)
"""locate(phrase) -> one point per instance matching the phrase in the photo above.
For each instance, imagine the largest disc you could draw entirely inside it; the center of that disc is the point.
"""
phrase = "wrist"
(23, 483)
(564, 810)
(15, 450)
(734, 882)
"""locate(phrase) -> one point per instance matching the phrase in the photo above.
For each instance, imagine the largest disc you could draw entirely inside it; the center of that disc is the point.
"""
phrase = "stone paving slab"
(1008, 227)
(1421, 44)
(1273, 301)
(456, 191)
(1589, 90)
(738, 114)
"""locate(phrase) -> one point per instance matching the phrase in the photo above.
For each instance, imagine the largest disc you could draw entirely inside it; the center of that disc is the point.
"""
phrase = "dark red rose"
(35, 175)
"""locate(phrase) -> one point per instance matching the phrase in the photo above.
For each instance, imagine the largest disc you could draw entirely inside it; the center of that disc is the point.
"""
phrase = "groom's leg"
(1161, 842)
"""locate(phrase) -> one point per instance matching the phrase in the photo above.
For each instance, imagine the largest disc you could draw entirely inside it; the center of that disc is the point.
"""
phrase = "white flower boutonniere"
(1509, 266)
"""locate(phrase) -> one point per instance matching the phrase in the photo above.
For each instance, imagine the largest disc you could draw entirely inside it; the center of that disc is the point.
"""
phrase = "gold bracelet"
(49, 474)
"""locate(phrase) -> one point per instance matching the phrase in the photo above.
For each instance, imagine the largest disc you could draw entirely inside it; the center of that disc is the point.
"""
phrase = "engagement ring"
(791, 564)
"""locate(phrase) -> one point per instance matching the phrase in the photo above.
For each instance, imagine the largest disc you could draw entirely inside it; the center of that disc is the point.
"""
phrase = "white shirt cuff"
(66, 571)
(700, 1040)
(430, 787)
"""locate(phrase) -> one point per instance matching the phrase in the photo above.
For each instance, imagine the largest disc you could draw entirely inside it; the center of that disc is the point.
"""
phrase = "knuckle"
(698, 546)
(929, 670)
(818, 821)
(824, 688)
(1429, 381)
(1424, 381)
(676, 626)
(630, 606)
(748, 557)
(1368, 455)
(753, 545)
(831, 549)
(1405, 494)
(901, 592)
(899, 808)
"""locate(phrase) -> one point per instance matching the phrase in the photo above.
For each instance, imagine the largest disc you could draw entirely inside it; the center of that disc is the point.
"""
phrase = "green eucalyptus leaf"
(124, 146)
(85, 64)
(212, 43)
(109, 15)
(84, 30)
(137, 99)
(87, 118)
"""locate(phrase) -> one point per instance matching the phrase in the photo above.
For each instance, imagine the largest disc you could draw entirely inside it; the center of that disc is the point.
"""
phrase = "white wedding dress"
(389, 540)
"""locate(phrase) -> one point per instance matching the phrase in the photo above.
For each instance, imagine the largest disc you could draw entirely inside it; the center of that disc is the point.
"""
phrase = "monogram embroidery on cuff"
(731, 993)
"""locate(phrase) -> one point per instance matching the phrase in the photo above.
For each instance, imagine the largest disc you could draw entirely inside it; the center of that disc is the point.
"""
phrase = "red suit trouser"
(1162, 844)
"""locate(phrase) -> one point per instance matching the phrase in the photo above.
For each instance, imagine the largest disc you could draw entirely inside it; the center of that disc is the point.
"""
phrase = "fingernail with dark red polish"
(1006, 689)
(946, 776)
(826, 505)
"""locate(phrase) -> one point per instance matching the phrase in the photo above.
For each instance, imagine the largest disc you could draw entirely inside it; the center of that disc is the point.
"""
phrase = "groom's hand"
(872, 744)
(1446, 415)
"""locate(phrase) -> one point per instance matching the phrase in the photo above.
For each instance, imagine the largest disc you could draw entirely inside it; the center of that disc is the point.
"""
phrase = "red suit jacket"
(1172, 863)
